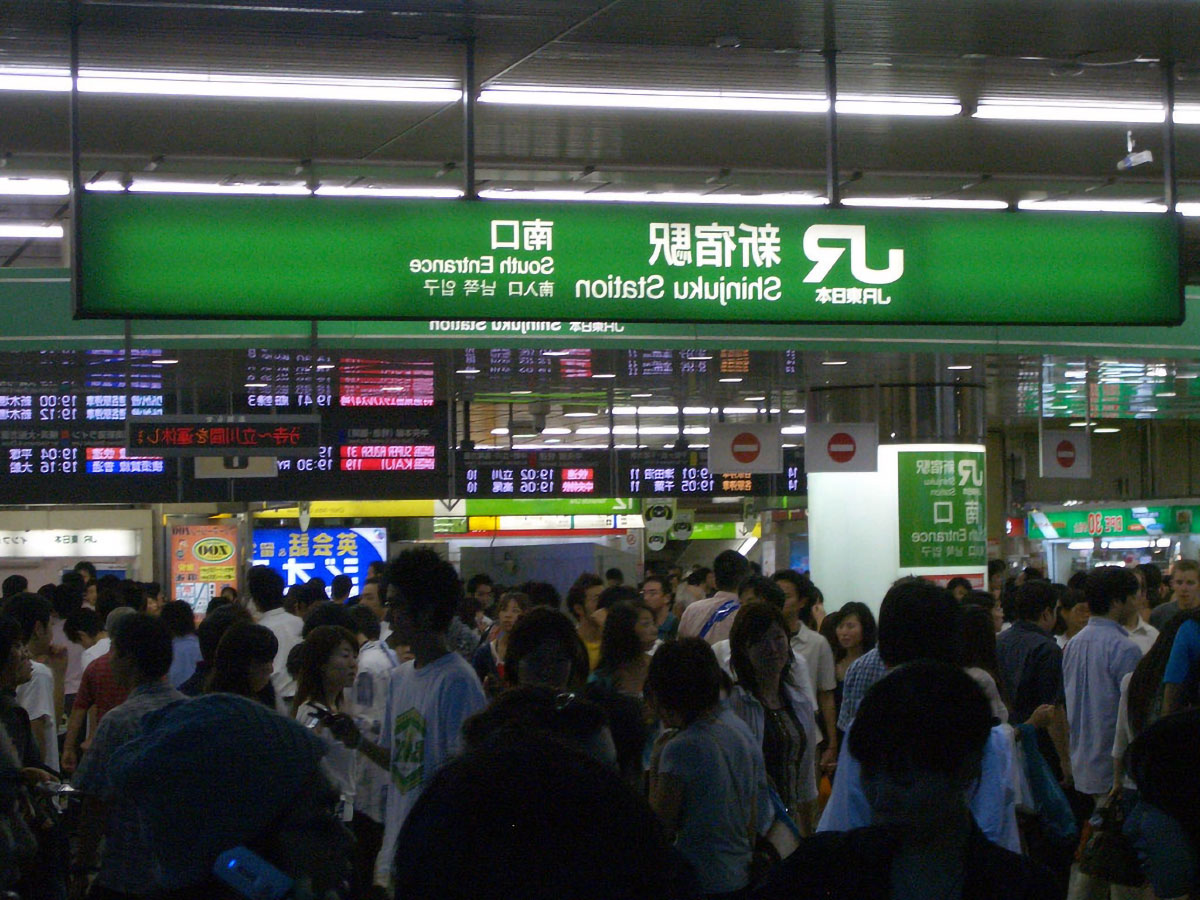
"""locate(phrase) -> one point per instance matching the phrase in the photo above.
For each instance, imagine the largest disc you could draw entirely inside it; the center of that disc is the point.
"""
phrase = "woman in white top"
(328, 664)
(977, 655)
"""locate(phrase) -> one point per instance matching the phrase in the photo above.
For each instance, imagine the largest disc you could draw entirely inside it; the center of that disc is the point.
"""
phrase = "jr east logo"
(824, 245)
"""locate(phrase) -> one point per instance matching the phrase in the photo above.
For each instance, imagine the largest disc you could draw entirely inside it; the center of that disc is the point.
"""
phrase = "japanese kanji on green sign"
(468, 263)
(941, 496)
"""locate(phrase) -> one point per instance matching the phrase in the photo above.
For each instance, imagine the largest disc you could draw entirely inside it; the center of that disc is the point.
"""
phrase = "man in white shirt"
(712, 619)
(800, 594)
(1137, 620)
(266, 590)
(36, 696)
(370, 599)
(429, 697)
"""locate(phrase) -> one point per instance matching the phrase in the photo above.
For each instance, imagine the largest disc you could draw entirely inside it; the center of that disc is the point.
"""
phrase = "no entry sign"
(841, 447)
(746, 447)
(1066, 454)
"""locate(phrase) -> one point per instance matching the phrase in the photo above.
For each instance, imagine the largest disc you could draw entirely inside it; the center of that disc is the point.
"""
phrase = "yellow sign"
(355, 509)
(218, 573)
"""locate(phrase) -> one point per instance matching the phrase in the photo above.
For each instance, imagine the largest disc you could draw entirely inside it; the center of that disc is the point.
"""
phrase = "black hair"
(1162, 760)
(866, 619)
(536, 786)
(86, 569)
(1033, 573)
(996, 567)
(328, 612)
(107, 599)
(577, 592)
(697, 577)
(152, 588)
(806, 591)
(216, 603)
(132, 595)
(977, 642)
(242, 645)
(958, 581)
(341, 587)
(663, 581)
(614, 574)
(750, 625)
(1108, 585)
(82, 621)
(213, 627)
(541, 593)
(535, 708)
(1077, 581)
(320, 644)
(366, 622)
(925, 715)
(617, 593)
(918, 620)
(476, 580)
(145, 640)
(179, 617)
(619, 643)
(426, 586)
(1033, 599)
(730, 569)
(29, 609)
(266, 587)
(1070, 597)
(684, 678)
(544, 636)
(1146, 682)
(10, 636)
(766, 589)
(982, 599)
(13, 585)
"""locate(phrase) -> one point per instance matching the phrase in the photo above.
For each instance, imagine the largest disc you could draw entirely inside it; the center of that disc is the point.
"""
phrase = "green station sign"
(941, 499)
(1113, 522)
(471, 263)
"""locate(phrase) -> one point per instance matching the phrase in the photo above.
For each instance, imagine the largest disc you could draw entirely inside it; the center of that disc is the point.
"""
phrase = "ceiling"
(1069, 51)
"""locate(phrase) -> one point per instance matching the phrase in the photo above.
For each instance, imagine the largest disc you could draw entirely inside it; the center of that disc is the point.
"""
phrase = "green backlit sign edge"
(166, 256)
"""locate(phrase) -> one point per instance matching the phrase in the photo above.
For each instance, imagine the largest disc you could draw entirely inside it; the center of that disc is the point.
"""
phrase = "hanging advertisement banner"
(300, 556)
(204, 559)
(941, 497)
(466, 264)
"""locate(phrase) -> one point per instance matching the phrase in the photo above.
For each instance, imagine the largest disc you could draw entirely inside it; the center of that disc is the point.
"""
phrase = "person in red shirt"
(99, 691)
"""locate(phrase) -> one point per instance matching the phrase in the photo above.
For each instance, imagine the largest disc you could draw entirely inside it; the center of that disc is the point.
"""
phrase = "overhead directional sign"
(151, 255)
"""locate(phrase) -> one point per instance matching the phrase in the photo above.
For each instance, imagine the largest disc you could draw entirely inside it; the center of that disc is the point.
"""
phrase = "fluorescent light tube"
(664, 197)
(897, 106)
(34, 187)
(718, 101)
(191, 187)
(924, 203)
(28, 231)
(1070, 111)
(432, 193)
(1122, 206)
(189, 84)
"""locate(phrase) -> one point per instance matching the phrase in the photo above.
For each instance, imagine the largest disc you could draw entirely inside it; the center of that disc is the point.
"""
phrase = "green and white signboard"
(941, 497)
(150, 255)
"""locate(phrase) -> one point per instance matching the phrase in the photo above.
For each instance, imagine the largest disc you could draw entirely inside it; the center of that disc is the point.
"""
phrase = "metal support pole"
(1170, 185)
(832, 187)
(470, 90)
(76, 177)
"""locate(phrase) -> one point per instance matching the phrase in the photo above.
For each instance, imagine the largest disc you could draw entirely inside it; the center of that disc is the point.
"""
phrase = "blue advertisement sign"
(300, 556)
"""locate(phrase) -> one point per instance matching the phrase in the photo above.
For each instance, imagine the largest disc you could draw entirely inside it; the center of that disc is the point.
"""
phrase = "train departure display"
(541, 473)
(684, 473)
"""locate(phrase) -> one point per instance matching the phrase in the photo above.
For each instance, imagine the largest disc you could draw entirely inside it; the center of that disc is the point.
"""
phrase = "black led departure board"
(533, 473)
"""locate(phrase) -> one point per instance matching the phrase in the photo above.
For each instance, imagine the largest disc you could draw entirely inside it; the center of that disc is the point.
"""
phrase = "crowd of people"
(716, 733)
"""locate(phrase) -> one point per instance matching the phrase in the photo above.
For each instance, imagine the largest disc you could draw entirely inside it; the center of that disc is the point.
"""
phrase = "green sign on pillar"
(943, 521)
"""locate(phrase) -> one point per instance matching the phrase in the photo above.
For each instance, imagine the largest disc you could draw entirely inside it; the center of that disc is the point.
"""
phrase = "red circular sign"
(841, 447)
(746, 447)
(1065, 452)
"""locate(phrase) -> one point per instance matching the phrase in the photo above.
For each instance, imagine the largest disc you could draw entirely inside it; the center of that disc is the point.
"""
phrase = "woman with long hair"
(488, 660)
(777, 710)
(977, 655)
(244, 661)
(853, 633)
(629, 634)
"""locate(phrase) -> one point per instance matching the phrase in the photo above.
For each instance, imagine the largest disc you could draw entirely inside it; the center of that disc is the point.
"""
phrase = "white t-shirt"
(375, 664)
(819, 656)
(340, 764)
(1144, 635)
(74, 673)
(800, 673)
(424, 714)
(94, 652)
(286, 629)
(36, 697)
(1124, 734)
(985, 680)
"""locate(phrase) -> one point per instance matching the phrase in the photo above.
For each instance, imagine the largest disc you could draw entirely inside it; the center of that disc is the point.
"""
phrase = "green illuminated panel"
(323, 258)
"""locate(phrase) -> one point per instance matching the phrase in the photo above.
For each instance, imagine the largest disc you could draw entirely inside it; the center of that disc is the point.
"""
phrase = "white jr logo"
(826, 257)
